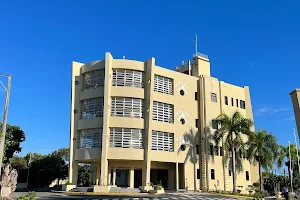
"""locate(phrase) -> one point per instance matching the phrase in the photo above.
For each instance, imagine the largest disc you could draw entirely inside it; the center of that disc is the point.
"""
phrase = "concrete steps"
(124, 190)
(82, 189)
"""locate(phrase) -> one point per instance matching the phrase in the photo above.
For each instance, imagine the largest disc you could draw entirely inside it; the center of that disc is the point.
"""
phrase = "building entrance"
(122, 177)
(159, 176)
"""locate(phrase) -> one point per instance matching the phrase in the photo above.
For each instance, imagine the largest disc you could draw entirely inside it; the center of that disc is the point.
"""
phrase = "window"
(162, 141)
(93, 79)
(216, 150)
(212, 174)
(211, 149)
(91, 108)
(198, 173)
(162, 112)
(197, 123)
(221, 151)
(197, 149)
(213, 97)
(126, 138)
(226, 100)
(229, 172)
(90, 138)
(237, 103)
(196, 96)
(242, 104)
(247, 175)
(214, 124)
(232, 102)
(163, 84)
(129, 78)
(127, 107)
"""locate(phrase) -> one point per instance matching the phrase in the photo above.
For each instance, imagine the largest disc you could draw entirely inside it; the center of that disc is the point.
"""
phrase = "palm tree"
(262, 148)
(230, 131)
(284, 156)
(192, 139)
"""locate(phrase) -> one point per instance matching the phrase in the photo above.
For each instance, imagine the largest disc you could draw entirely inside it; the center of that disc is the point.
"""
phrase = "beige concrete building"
(131, 120)
(295, 95)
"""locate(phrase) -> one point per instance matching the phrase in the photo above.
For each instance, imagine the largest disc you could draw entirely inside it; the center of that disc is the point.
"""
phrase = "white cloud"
(287, 119)
(268, 110)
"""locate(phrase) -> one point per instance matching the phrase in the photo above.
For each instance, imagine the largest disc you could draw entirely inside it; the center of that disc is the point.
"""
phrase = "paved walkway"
(166, 196)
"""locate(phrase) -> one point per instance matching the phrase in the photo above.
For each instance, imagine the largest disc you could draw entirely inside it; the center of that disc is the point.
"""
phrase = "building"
(295, 95)
(129, 118)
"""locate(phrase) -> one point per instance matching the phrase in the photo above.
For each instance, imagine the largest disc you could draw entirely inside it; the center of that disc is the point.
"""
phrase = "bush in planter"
(68, 183)
(158, 187)
(28, 196)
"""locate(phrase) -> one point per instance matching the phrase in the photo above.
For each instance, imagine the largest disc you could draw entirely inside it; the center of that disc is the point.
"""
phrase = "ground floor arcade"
(130, 174)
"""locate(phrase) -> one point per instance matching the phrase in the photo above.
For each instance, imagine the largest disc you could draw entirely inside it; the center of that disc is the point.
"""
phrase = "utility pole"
(297, 150)
(7, 95)
(29, 161)
(291, 170)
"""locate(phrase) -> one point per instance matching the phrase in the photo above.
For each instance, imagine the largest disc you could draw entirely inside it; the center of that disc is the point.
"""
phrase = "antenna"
(196, 45)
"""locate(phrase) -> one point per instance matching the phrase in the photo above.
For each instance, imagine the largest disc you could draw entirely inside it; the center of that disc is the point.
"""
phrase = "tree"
(18, 162)
(232, 130)
(84, 175)
(284, 157)
(192, 140)
(45, 170)
(13, 138)
(262, 148)
(64, 153)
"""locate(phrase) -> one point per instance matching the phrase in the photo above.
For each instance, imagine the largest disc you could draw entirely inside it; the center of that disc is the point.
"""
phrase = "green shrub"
(68, 183)
(28, 196)
(158, 187)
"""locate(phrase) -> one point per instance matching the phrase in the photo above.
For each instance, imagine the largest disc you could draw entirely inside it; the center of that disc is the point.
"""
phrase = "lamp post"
(7, 94)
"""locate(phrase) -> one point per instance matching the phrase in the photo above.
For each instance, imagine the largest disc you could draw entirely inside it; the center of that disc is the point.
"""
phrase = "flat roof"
(295, 90)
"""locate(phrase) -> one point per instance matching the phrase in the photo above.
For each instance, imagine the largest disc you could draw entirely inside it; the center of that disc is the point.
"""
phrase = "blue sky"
(253, 43)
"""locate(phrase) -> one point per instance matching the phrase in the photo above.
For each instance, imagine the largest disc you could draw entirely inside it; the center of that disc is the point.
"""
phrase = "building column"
(114, 176)
(177, 177)
(109, 177)
(131, 177)
(149, 87)
(98, 174)
(73, 172)
(106, 118)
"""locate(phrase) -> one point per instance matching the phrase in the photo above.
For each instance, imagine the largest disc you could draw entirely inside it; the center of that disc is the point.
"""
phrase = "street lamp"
(7, 94)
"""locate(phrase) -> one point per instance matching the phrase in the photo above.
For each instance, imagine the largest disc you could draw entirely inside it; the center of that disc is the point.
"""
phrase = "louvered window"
(162, 112)
(126, 138)
(93, 79)
(91, 108)
(163, 84)
(162, 141)
(129, 78)
(90, 138)
(127, 107)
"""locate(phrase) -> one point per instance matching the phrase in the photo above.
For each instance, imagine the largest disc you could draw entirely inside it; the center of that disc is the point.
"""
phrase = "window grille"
(213, 97)
(90, 138)
(162, 112)
(93, 79)
(91, 108)
(127, 107)
(126, 138)
(163, 84)
(129, 78)
(162, 141)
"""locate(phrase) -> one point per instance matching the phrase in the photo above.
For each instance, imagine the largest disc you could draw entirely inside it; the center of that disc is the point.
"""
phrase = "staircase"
(124, 190)
(82, 189)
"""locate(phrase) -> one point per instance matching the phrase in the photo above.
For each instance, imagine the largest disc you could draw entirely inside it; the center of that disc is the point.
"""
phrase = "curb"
(230, 195)
(100, 193)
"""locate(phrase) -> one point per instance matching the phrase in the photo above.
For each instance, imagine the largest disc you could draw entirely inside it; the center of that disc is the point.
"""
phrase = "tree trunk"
(233, 170)
(195, 177)
(261, 178)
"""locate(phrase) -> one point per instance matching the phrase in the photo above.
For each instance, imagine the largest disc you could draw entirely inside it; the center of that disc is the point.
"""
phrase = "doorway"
(122, 177)
(137, 178)
(159, 176)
